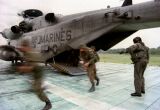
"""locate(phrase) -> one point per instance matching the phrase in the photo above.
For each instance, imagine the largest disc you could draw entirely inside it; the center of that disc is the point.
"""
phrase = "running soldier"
(31, 66)
(88, 59)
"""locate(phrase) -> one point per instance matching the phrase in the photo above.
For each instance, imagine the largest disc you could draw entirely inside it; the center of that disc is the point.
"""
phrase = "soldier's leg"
(39, 90)
(143, 85)
(12, 61)
(143, 79)
(95, 74)
(37, 86)
(137, 80)
(90, 71)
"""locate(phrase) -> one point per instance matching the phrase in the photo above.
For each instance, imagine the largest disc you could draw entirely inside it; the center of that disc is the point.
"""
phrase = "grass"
(125, 59)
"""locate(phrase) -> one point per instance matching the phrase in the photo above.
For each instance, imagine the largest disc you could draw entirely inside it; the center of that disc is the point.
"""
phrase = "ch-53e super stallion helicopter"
(59, 37)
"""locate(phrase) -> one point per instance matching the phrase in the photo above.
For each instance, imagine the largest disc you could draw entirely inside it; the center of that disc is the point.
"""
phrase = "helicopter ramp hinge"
(66, 69)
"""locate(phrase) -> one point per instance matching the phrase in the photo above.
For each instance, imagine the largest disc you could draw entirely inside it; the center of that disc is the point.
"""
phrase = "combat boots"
(136, 94)
(47, 106)
(92, 89)
(143, 92)
(97, 79)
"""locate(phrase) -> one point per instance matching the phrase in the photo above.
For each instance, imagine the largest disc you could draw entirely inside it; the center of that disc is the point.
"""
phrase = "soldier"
(140, 58)
(31, 66)
(97, 58)
(88, 59)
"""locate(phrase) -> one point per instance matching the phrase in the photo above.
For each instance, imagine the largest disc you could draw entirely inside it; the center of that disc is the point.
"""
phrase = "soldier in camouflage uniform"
(140, 58)
(32, 66)
(97, 59)
(89, 58)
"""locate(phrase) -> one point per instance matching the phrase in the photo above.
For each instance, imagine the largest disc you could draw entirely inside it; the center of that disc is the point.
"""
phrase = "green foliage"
(125, 58)
(114, 51)
(153, 51)
(113, 56)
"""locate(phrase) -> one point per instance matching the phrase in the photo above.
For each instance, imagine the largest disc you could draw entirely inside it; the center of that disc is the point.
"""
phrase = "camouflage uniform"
(140, 57)
(95, 70)
(89, 56)
(31, 58)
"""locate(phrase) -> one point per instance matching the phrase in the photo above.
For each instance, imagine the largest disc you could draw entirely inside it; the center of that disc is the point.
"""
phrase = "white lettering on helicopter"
(46, 48)
(59, 36)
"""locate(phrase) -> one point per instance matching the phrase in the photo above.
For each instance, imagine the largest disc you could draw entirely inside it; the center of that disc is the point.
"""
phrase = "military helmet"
(137, 39)
(82, 46)
(93, 47)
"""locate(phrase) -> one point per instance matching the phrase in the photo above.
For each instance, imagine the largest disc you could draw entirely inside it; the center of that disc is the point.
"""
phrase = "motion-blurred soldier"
(31, 66)
(97, 59)
(88, 59)
(140, 57)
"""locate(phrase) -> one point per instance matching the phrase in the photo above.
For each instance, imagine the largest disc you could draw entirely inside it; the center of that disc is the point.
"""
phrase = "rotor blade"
(127, 3)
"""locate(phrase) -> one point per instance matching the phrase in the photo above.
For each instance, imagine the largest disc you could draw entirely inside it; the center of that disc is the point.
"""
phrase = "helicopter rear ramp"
(66, 69)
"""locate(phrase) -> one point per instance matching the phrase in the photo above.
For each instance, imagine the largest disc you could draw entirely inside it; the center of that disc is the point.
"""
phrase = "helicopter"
(57, 38)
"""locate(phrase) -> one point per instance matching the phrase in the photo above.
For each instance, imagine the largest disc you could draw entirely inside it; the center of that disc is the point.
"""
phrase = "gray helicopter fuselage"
(70, 31)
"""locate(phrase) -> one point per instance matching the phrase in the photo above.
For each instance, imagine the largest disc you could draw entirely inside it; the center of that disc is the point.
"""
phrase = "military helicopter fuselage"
(60, 36)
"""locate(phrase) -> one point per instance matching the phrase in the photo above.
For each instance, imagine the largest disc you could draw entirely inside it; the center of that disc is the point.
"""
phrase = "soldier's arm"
(122, 51)
(80, 57)
(97, 56)
(92, 57)
(131, 49)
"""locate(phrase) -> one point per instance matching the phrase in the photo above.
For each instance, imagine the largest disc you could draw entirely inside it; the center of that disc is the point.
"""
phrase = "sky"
(10, 8)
